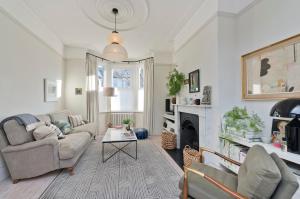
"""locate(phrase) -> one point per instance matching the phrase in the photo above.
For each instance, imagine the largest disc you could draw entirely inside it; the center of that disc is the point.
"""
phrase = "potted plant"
(127, 122)
(175, 82)
(239, 122)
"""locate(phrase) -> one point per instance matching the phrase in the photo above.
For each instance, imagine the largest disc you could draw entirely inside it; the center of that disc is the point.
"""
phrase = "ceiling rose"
(131, 13)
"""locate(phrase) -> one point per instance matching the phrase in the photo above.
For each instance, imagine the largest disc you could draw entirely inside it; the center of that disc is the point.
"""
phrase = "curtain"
(92, 91)
(148, 94)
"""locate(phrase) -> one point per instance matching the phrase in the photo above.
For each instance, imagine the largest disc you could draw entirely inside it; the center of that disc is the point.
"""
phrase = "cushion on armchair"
(288, 184)
(259, 175)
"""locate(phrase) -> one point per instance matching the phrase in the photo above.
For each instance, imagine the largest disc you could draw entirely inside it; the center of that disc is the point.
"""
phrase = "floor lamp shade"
(108, 91)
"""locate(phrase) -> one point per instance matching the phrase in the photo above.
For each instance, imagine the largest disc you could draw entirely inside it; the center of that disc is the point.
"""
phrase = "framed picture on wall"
(194, 81)
(272, 72)
(50, 90)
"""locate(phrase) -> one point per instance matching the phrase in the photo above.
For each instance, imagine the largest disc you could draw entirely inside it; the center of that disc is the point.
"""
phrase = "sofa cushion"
(201, 188)
(44, 118)
(259, 175)
(32, 126)
(73, 144)
(16, 134)
(43, 131)
(65, 127)
(60, 116)
(89, 127)
(76, 120)
(288, 184)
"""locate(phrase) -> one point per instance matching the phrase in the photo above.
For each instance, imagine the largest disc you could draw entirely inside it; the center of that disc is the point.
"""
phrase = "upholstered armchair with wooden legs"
(260, 176)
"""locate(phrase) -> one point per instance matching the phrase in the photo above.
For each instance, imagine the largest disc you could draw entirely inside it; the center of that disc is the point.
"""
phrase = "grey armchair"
(260, 176)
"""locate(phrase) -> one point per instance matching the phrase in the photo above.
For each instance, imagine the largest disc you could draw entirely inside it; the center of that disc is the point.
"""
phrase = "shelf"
(292, 157)
(193, 105)
(170, 117)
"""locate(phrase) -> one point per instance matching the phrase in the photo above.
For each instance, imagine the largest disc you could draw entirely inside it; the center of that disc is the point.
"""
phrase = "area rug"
(151, 176)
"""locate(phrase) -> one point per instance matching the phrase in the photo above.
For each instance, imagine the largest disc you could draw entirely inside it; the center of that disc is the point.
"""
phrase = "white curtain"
(92, 90)
(148, 94)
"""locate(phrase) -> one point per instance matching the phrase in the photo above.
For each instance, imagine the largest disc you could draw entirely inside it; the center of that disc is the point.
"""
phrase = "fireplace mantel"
(201, 110)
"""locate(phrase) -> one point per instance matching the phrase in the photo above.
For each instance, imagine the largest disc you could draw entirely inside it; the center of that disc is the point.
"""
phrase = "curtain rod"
(121, 61)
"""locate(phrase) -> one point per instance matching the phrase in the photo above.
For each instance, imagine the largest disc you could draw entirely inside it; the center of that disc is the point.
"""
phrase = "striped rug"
(149, 177)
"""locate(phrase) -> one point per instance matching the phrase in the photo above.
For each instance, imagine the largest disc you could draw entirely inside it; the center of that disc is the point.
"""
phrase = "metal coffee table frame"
(119, 149)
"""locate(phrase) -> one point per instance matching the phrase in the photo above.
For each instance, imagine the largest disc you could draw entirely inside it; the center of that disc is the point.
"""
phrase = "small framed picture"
(194, 81)
(78, 91)
(50, 90)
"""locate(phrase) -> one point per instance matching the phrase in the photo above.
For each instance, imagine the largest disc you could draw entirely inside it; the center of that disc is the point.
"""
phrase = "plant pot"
(173, 100)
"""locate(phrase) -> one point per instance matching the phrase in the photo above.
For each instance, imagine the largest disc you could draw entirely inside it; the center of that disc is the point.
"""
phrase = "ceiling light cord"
(115, 11)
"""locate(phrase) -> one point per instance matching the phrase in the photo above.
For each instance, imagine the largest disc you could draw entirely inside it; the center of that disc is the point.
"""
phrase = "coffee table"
(113, 136)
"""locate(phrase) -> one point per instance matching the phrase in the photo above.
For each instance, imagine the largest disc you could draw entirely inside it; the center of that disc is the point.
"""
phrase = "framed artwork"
(78, 91)
(194, 81)
(273, 71)
(50, 90)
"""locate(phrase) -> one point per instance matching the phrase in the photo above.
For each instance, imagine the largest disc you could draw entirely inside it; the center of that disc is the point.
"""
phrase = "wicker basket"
(168, 140)
(190, 154)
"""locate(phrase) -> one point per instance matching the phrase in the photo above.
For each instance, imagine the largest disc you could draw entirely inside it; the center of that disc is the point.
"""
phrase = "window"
(128, 81)
(122, 78)
(100, 72)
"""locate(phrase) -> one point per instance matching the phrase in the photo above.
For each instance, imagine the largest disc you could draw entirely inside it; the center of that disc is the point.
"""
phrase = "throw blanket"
(22, 119)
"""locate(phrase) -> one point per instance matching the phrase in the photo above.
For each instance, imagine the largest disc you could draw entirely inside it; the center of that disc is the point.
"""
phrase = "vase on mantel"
(173, 100)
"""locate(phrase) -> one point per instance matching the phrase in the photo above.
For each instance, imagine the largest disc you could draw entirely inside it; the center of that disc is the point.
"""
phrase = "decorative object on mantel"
(175, 82)
(286, 125)
(197, 101)
(194, 81)
(269, 72)
(238, 122)
(190, 154)
(206, 99)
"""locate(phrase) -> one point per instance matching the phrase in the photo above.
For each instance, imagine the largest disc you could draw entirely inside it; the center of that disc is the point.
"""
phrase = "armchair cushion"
(288, 184)
(16, 134)
(259, 175)
(198, 187)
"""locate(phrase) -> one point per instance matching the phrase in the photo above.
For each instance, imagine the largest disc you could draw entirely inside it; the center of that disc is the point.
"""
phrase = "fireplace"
(188, 134)
(189, 130)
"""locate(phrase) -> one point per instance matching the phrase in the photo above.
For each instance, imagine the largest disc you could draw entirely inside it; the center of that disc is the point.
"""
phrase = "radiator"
(117, 118)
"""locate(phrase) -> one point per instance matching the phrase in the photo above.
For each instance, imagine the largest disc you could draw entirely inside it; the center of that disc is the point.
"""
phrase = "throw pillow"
(65, 127)
(42, 132)
(76, 120)
(57, 131)
(259, 175)
(32, 126)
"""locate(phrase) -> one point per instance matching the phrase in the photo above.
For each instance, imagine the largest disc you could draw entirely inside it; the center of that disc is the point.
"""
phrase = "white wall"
(25, 61)
(201, 52)
(161, 72)
(267, 22)
(75, 78)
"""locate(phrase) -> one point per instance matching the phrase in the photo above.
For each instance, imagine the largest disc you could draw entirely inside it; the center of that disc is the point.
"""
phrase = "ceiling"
(149, 25)
(145, 25)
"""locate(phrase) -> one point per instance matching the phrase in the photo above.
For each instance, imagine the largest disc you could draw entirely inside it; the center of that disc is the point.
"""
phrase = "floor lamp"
(109, 92)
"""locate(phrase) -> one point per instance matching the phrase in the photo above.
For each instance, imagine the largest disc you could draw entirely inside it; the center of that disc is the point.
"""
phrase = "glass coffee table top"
(118, 135)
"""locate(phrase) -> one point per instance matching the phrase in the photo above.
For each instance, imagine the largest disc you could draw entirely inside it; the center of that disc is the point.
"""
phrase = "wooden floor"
(33, 188)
